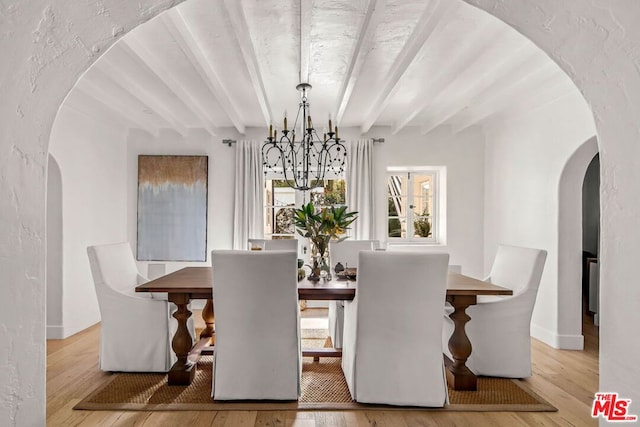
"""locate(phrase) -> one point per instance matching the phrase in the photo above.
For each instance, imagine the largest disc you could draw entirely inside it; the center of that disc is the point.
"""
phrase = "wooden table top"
(197, 281)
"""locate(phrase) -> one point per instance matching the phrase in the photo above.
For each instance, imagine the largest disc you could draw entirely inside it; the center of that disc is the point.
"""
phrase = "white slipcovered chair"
(392, 348)
(276, 244)
(257, 353)
(499, 329)
(346, 253)
(136, 329)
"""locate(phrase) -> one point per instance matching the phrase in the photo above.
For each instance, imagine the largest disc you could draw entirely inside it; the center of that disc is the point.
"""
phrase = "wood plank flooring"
(567, 379)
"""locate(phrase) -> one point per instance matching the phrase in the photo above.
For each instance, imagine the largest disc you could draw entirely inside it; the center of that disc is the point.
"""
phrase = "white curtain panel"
(360, 188)
(249, 188)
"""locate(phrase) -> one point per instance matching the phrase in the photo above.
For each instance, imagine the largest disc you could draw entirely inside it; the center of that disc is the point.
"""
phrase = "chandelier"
(303, 159)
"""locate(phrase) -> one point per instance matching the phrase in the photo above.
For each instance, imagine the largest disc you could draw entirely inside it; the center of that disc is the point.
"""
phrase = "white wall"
(55, 326)
(463, 156)
(90, 155)
(220, 186)
(525, 158)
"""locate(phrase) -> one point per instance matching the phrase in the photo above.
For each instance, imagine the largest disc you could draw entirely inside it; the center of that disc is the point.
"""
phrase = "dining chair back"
(392, 348)
(123, 311)
(255, 298)
(345, 253)
(276, 244)
(500, 325)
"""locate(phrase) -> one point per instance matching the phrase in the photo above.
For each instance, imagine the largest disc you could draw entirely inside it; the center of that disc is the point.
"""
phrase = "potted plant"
(422, 225)
(321, 227)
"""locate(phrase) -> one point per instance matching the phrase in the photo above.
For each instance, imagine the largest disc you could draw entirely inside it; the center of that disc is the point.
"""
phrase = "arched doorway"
(570, 246)
(43, 77)
(591, 241)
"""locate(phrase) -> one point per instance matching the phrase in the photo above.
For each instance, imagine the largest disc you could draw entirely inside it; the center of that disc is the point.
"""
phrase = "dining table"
(196, 283)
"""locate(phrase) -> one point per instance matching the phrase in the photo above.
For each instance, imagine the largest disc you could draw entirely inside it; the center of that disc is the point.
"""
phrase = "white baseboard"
(562, 342)
(55, 332)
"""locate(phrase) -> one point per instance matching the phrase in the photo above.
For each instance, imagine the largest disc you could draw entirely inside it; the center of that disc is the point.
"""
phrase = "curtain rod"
(233, 141)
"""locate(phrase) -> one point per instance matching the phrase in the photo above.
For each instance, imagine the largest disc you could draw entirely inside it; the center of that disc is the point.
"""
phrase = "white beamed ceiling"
(215, 64)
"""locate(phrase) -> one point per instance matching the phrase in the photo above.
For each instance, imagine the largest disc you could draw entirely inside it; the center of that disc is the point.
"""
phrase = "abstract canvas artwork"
(172, 208)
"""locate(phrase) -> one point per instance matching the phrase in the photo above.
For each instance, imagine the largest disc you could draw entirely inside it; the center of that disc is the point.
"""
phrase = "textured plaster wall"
(46, 45)
(525, 158)
(597, 43)
(90, 155)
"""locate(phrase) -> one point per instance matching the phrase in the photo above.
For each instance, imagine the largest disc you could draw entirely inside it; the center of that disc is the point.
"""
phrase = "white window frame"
(269, 205)
(438, 216)
(301, 197)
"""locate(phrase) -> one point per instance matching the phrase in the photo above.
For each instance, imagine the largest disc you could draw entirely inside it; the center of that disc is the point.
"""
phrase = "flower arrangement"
(321, 227)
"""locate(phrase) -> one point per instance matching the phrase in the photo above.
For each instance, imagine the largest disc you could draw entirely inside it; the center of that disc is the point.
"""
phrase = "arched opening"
(151, 132)
(591, 241)
(613, 125)
(570, 246)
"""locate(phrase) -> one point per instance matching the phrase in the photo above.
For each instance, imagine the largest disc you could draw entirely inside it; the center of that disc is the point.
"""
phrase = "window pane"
(422, 194)
(422, 226)
(332, 192)
(397, 191)
(397, 227)
(411, 199)
(283, 223)
(279, 201)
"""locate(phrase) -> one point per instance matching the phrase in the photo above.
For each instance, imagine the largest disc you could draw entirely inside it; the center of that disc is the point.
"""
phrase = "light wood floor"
(567, 379)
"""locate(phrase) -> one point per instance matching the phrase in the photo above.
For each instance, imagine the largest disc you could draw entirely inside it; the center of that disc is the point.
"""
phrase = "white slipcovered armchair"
(255, 298)
(346, 253)
(135, 334)
(499, 329)
(392, 348)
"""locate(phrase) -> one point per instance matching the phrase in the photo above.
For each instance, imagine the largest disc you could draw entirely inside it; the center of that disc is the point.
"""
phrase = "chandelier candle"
(304, 164)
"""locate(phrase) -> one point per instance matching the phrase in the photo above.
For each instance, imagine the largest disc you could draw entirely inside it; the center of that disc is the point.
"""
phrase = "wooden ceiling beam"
(373, 16)
(433, 16)
(183, 36)
(103, 88)
(238, 20)
(125, 67)
(465, 59)
(305, 39)
(87, 105)
(174, 84)
(502, 98)
(474, 90)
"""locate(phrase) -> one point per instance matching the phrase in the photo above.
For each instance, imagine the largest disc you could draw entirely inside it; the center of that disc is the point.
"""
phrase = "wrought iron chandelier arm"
(304, 163)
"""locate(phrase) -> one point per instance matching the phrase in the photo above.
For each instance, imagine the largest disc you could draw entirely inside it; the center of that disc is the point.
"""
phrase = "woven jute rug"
(323, 388)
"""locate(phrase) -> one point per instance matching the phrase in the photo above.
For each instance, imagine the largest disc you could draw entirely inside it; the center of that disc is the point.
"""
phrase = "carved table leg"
(207, 316)
(182, 372)
(458, 374)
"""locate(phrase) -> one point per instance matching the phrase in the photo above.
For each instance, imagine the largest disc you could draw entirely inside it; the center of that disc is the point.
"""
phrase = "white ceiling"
(227, 63)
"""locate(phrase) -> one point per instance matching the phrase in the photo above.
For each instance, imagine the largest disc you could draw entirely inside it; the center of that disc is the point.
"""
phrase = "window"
(415, 205)
(281, 200)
